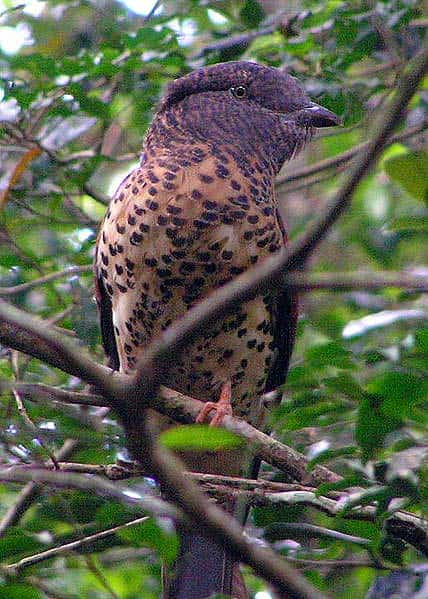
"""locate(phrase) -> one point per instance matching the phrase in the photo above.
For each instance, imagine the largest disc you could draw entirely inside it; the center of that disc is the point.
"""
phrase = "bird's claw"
(222, 408)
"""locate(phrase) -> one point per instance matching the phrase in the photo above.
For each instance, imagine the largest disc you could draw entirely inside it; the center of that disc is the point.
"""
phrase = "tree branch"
(271, 272)
(94, 484)
(30, 493)
(345, 157)
(184, 409)
(68, 272)
(36, 558)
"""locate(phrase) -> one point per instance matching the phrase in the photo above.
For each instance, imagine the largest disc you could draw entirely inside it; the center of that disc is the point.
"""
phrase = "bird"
(199, 210)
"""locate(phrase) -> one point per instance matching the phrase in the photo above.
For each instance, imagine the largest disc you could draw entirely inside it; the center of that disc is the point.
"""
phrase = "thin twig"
(68, 272)
(31, 492)
(94, 484)
(345, 157)
(72, 546)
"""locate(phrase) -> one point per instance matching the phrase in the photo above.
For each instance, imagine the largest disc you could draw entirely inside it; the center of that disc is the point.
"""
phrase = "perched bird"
(198, 211)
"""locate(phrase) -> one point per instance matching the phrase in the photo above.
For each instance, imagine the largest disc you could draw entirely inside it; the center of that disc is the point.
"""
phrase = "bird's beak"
(318, 116)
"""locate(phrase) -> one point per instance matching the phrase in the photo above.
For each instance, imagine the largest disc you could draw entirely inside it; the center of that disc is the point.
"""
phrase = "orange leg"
(222, 408)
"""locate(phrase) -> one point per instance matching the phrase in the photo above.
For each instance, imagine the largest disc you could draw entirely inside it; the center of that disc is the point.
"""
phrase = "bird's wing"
(285, 311)
(105, 309)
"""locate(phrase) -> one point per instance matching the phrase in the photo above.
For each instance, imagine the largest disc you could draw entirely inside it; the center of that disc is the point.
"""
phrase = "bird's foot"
(222, 408)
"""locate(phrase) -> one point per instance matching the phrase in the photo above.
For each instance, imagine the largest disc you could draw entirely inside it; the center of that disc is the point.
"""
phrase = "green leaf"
(410, 171)
(252, 13)
(199, 437)
(18, 590)
(331, 454)
(400, 391)
(150, 534)
(411, 224)
(329, 354)
(373, 426)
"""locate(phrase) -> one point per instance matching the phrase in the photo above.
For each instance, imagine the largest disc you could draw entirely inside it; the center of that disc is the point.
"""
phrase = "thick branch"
(30, 335)
(271, 272)
(184, 409)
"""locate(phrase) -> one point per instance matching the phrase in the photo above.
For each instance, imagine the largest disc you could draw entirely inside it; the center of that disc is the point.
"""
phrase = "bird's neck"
(248, 137)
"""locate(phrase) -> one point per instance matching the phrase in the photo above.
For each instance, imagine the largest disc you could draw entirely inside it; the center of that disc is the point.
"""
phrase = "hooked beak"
(318, 116)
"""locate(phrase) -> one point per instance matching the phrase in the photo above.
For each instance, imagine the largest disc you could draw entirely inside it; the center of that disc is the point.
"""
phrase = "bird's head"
(257, 86)
(249, 103)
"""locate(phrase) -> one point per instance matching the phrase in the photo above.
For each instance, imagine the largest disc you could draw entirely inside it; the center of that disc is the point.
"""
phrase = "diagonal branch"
(68, 272)
(271, 273)
(94, 484)
(76, 545)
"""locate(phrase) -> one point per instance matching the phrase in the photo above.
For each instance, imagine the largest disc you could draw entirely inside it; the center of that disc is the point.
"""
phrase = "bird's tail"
(202, 570)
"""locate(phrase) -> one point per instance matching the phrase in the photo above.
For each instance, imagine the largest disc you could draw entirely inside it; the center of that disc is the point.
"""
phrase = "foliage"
(76, 101)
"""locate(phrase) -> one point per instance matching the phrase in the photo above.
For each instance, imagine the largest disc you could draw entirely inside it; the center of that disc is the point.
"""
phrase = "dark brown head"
(258, 108)
(256, 85)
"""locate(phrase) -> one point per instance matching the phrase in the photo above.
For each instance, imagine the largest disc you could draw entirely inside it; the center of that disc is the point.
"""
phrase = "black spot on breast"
(136, 238)
(163, 272)
(119, 269)
(210, 268)
(209, 216)
(152, 262)
(221, 171)
(200, 224)
(162, 220)
(173, 209)
(206, 178)
(131, 220)
(187, 267)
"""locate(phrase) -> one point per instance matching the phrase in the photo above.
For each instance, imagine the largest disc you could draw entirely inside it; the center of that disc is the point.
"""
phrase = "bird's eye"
(239, 91)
